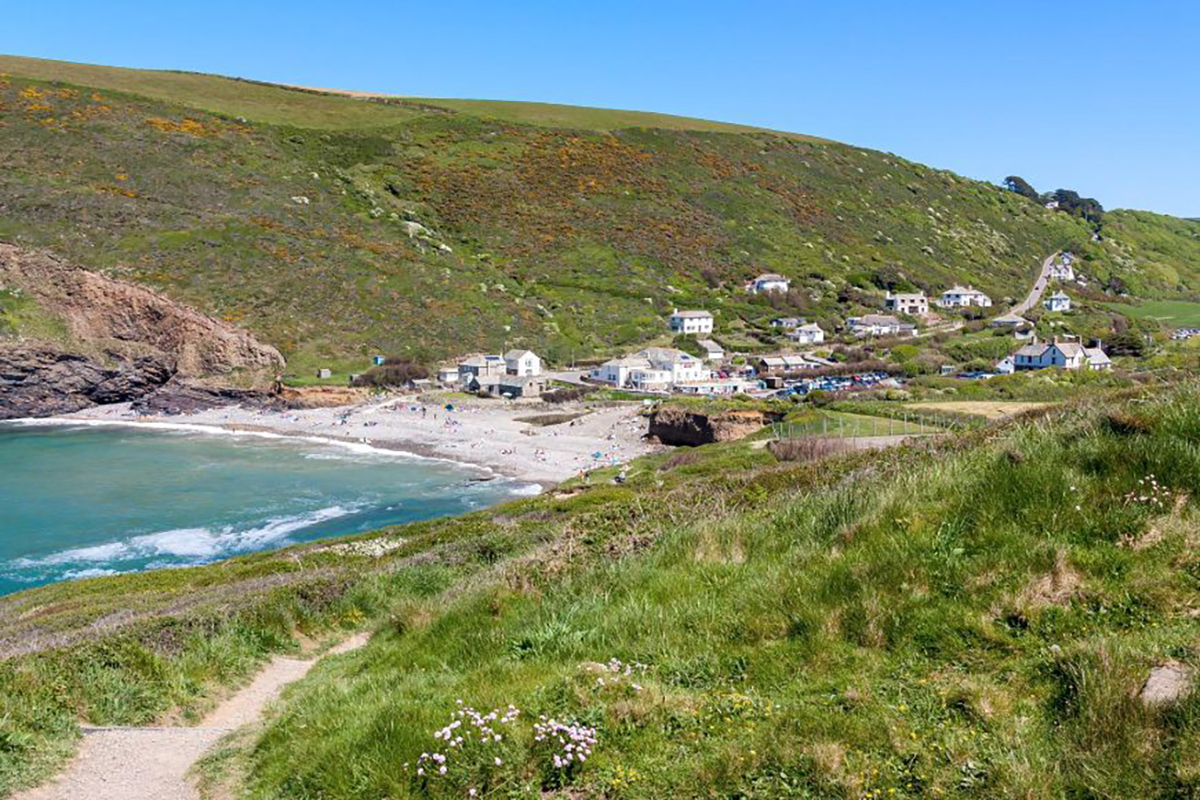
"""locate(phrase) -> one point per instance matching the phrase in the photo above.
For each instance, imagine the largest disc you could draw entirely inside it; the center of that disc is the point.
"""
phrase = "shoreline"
(481, 435)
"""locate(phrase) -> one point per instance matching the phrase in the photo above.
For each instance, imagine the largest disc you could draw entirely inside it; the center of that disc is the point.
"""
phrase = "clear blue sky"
(1102, 97)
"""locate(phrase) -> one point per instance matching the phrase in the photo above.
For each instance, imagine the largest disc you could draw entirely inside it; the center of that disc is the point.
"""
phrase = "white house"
(958, 297)
(1058, 302)
(522, 363)
(619, 370)
(1066, 354)
(683, 366)
(653, 369)
(768, 282)
(912, 303)
(712, 351)
(691, 322)
(879, 325)
(1062, 270)
(448, 374)
(807, 334)
(1006, 365)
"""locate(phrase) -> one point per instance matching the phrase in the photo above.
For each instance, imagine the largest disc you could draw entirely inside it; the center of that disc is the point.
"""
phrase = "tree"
(1129, 343)
(1015, 183)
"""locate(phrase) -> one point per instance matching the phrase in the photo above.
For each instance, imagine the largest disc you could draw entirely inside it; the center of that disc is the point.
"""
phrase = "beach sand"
(485, 433)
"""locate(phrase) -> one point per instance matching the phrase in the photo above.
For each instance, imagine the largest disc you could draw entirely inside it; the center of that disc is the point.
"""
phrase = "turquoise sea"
(84, 499)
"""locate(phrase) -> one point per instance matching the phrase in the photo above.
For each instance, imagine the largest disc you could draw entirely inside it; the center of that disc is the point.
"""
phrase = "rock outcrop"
(114, 314)
(681, 426)
(124, 343)
(37, 381)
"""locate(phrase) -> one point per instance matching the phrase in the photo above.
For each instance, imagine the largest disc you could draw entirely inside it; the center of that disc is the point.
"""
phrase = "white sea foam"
(527, 490)
(196, 544)
(361, 448)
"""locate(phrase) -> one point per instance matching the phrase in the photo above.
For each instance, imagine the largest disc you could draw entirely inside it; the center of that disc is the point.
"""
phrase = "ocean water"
(79, 500)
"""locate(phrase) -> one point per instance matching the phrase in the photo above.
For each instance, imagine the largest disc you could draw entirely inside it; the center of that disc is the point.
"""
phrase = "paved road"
(574, 376)
(1039, 286)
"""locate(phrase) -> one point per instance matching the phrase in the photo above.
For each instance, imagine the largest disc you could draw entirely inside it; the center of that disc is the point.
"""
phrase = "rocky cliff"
(38, 381)
(123, 342)
(681, 426)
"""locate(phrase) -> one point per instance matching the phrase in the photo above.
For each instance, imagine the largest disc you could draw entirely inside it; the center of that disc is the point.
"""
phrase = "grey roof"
(693, 314)
(875, 319)
(770, 276)
(513, 355)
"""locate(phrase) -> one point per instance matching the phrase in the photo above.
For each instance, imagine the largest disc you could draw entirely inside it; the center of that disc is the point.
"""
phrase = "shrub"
(392, 372)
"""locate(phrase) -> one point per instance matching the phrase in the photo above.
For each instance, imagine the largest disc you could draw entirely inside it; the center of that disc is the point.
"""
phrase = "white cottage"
(1067, 353)
(522, 363)
(960, 297)
(879, 325)
(691, 322)
(807, 334)
(912, 303)
(768, 282)
(1058, 302)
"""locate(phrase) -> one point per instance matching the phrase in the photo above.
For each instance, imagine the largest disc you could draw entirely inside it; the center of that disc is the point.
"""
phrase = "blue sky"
(1101, 97)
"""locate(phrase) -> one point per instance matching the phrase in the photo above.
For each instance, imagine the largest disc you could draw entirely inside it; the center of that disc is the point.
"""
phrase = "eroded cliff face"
(125, 342)
(38, 381)
(680, 426)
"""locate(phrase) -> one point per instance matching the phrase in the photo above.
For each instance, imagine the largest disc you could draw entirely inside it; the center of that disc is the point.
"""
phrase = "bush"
(392, 372)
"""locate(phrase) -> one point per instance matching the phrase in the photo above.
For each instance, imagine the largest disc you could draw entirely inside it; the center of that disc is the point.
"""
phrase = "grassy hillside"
(311, 108)
(335, 228)
(975, 618)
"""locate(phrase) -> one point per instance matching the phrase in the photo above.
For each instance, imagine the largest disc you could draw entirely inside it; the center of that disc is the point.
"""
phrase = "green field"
(1176, 313)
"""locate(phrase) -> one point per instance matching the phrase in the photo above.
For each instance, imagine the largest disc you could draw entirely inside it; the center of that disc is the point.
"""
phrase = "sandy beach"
(483, 433)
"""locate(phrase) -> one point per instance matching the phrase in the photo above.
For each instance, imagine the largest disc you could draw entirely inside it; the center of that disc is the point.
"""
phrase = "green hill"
(971, 618)
(335, 227)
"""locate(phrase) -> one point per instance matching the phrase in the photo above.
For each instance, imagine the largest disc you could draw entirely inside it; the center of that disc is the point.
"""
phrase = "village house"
(514, 386)
(1065, 353)
(768, 282)
(653, 369)
(617, 371)
(1009, 321)
(522, 363)
(718, 386)
(713, 352)
(807, 334)
(879, 325)
(787, 323)
(1061, 270)
(1006, 365)
(448, 374)
(1058, 302)
(691, 322)
(912, 303)
(480, 366)
(959, 297)
(785, 364)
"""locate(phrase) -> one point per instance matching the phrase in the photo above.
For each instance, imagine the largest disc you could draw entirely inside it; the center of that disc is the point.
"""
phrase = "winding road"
(1039, 287)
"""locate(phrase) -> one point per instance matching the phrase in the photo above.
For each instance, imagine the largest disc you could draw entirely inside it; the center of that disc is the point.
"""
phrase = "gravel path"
(153, 763)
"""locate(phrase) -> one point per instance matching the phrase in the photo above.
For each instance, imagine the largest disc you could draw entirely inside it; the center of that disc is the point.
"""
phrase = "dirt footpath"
(154, 763)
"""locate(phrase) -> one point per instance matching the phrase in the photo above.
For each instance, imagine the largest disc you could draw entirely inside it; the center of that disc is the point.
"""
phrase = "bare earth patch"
(982, 408)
